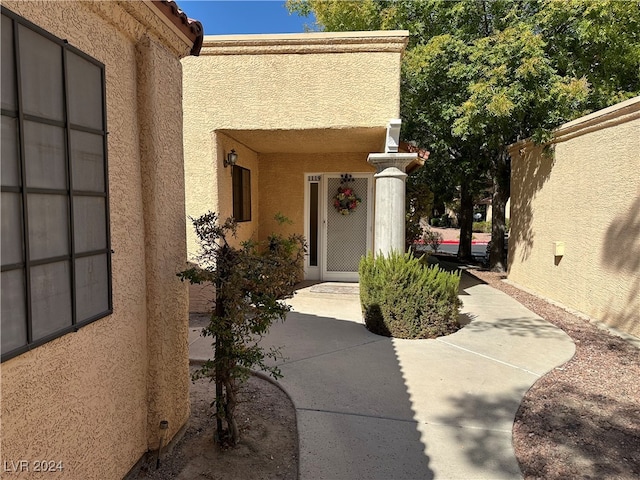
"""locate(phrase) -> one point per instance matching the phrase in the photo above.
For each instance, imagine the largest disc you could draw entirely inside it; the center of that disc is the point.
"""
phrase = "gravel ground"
(582, 419)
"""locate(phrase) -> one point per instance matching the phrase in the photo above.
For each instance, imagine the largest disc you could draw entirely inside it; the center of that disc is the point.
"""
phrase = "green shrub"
(481, 227)
(402, 297)
(445, 221)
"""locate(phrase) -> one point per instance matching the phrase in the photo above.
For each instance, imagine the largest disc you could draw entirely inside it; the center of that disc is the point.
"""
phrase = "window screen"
(56, 256)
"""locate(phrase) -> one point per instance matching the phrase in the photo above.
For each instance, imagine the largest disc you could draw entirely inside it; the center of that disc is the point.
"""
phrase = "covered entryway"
(337, 237)
(290, 107)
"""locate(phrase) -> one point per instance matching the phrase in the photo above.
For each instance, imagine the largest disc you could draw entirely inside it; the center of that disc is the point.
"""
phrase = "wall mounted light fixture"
(232, 158)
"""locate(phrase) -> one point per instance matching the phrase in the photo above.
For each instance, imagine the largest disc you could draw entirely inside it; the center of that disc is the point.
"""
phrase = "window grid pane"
(50, 298)
(8, 66)
(48, 226)
(13, 315)
(92, 290)
(10, 160)
(85, 92)
(41, 75)
(12, 251)
(87, 161)
(90, 231)
(45, 156)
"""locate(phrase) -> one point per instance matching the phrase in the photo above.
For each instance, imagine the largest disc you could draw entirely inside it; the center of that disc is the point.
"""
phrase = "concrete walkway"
(371, 407)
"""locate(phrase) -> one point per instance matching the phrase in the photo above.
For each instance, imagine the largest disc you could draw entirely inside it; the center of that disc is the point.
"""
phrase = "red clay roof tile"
(191, 28)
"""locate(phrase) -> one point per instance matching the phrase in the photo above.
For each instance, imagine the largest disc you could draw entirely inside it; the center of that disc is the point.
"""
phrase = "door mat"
(336, 288)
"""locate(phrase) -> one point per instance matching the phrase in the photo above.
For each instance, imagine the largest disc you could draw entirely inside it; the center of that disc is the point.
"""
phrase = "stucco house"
(302, 115)
(94, 319)
(575, 216)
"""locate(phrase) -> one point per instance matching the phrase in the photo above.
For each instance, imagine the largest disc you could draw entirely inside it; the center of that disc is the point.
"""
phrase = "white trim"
(320, 272)
(312, 272)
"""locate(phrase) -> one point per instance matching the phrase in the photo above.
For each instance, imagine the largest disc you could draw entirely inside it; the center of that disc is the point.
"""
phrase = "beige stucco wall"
(268, 96)
(201, 296)
(93, 399)
(282, 183)
(295, 81)
(587, 195)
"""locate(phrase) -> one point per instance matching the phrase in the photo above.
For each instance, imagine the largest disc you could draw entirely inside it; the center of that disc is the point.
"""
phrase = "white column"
(390, 212)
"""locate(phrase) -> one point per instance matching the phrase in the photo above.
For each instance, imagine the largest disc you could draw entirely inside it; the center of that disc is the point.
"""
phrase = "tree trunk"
(220, 349)
(501, 190)
(230, 408)
(466, 221)
(217, 355)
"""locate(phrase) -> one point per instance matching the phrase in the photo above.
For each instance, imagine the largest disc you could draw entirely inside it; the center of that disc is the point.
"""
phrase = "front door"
(338, 234)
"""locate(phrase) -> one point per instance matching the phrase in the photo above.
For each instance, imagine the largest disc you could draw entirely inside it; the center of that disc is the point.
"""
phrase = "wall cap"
(607, 117)
(312, 42)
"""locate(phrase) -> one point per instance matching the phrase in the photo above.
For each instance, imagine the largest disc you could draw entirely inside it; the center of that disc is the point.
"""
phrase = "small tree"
(433, 239)
(251, 283)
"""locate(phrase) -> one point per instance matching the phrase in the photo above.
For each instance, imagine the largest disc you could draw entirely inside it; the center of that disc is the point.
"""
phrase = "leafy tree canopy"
(591, 46)
(479, 75)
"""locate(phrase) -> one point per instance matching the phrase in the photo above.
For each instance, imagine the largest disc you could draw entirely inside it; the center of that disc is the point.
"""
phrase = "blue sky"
(244, 16)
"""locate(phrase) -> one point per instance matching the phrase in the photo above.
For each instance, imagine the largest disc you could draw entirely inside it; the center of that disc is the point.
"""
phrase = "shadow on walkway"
(372, 407)
(355, 416)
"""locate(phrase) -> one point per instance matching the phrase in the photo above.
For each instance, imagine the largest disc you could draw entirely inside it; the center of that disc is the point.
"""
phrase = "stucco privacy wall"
(93, 399)
(278, 94)
(587, 195)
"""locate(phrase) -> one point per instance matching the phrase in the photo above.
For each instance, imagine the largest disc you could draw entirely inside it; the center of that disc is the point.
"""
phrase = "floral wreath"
(346, 201)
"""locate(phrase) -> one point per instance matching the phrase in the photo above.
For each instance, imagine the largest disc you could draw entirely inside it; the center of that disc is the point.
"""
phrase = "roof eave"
(191, 28)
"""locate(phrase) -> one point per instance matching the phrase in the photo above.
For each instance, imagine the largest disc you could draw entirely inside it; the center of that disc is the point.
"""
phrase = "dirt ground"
(268, 448)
